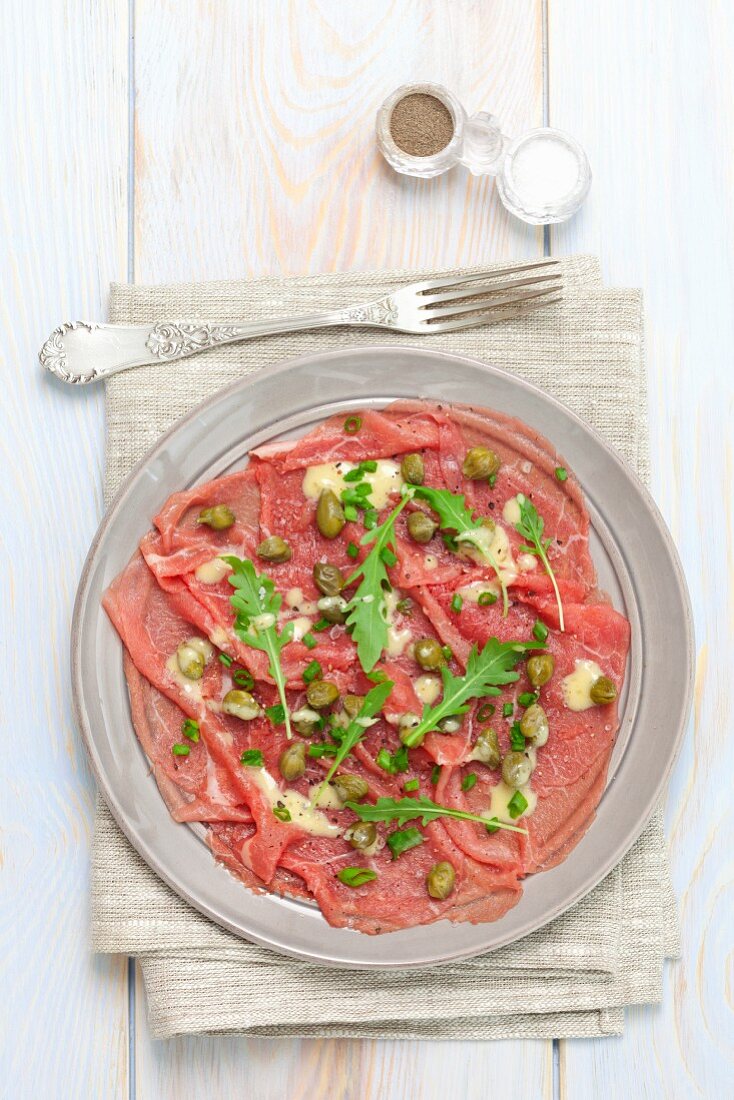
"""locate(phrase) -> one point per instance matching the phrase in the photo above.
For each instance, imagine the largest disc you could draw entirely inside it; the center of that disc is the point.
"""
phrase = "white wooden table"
(161, 140)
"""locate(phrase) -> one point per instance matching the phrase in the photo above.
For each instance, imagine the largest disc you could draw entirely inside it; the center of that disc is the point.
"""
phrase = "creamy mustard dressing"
(486, 544)
(385, 480)
(470, 593)
(212, 572)
(303, 815)
(576, 687)
(430, 561)
(511, 511)
(527, 563)
(397, 639)
(219, 637)
(202, 646)
(328, 799)
(427, 688)
(298, 602)
(500, 798)
(301, 626)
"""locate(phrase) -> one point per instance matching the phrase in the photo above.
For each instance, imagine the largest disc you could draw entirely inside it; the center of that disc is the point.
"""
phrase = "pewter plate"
(636, 562)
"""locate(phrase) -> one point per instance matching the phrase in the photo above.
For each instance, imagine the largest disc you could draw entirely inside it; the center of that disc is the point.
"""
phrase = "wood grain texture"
(255, 154)
(63, 215)
(648, 89)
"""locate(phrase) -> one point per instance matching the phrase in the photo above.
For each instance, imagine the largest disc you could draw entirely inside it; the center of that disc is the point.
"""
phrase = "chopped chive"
(356, 876)
(282, 812)
(540, 631)
(370, 518)
(226, 660)
(468, 781)
(190, 729)
(402, 840)
(487, 598)
(352, 550)
(492, 480)
(180, 750)
(411, 784)
(309, 641)
(242, 677)
(352, 424)
(322, 624)
(456, 603)
(527, 698)
(276, 714)
(363, 489)
(517, 738)
(561, 473)
(485, 712)
(405, 606)
(447, 652)
(350, 513)
(507, 710)
(369, 465)
(311, 672)
(517, 805)
(252, 758)
(493, 825)
(435, 774)
(387, 556)
(400, 759)
(354, 475)
(384, 760)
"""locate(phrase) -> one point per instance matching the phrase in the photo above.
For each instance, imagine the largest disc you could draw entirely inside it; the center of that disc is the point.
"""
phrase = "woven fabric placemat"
(572, 978)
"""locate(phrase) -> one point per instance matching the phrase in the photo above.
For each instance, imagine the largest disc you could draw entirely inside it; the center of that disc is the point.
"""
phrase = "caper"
(421, 527)
(219, 517)
(305, 721)
(321, 694)
(274, 549)
(413, 469)
(480, 463)
(603, 691)
(353, 704)
(487, 749)
(534, 725)
(191, 661)
(330, 517)
(516, 769)
(240, 704)
(332, 608)
(488, 522)
(362, 835)
(440, 880)
(328, 578)
(292, 761)
(540, 669)
(351, 788)
(428, 653)
(450, 724)
(408, 721)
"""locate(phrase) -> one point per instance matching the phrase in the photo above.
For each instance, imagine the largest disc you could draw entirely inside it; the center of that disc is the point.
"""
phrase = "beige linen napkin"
(572, 978)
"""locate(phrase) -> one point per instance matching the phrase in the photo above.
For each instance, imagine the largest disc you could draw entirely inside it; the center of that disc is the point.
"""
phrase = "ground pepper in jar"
(421, 125)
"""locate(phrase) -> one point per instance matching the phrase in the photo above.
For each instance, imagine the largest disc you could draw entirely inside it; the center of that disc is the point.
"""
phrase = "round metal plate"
(636, 562)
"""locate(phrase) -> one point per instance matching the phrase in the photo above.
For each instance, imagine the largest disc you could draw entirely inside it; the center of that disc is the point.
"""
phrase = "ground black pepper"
(421, 125)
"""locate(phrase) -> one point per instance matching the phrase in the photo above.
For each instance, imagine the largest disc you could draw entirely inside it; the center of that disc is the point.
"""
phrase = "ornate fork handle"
(79, 352)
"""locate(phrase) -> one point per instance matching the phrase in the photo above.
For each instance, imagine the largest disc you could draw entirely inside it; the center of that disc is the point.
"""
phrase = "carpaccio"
(176, 589)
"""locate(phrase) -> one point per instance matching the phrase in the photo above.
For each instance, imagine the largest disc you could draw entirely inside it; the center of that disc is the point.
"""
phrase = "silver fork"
(79, 352)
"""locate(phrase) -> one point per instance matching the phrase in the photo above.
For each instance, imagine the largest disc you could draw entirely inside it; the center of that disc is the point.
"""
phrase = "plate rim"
(148, 853)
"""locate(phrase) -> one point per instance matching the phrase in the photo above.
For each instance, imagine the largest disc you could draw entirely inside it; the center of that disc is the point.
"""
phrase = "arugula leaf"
(373, 703)
(257, 605)
(531, 528)
(485, 669)
(402, 810)
(454, 516)
(366, 609)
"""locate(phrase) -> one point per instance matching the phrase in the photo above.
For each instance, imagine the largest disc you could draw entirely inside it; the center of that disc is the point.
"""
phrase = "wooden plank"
(63, 213)
(255, 155)
(647, 88)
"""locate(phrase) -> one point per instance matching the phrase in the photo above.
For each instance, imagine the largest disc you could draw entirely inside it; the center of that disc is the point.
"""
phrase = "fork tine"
(499, 288)
(489, 317)
(492, 303)
(498, 273)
